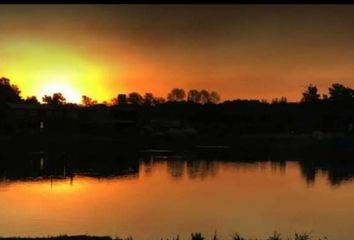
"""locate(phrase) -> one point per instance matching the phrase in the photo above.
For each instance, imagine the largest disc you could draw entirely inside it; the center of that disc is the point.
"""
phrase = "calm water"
(160, 199)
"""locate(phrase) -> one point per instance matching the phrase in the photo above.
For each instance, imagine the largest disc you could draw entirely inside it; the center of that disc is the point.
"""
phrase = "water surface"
(160, 199)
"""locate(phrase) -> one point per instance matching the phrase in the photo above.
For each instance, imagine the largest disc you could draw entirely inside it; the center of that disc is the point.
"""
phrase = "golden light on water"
(156, 203)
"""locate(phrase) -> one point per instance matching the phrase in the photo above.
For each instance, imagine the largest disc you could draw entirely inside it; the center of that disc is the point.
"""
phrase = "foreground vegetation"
(194, 236)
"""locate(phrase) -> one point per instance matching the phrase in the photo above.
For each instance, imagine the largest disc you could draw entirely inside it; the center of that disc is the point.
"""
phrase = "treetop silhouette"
(87, 101)
(338, 93)
(55, 99)
(9, 93)
(310, 94)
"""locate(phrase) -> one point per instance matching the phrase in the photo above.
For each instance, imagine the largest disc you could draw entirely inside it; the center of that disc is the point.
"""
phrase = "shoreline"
(194, 236)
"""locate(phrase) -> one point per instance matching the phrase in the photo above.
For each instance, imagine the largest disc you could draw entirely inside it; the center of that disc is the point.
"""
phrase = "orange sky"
(240, 51)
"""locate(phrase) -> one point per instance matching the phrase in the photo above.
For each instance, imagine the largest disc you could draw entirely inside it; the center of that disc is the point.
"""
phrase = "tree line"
(336, 93)
(10, 93)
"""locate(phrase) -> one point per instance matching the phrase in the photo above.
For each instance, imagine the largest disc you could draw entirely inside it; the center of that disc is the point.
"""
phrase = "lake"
(162, 197)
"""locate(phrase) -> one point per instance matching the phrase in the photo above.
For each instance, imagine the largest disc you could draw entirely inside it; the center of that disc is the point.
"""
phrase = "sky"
(240, 51)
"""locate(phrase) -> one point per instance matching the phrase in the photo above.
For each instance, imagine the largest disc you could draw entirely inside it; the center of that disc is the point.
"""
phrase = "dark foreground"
(194, 236)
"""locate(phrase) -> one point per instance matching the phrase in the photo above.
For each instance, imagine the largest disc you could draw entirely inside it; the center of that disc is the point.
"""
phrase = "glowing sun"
(69, 92)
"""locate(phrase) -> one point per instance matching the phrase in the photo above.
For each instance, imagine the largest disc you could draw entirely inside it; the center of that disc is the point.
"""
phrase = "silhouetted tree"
(112, 102)
(149, 99)
(87, 101)
(282, 100)
(193, 96)
(310, 94)
(340, 93)
(122, 99)
(9, 93)
(176, 95)
(106, 103)
(56, 99)
(214, 97)
(32, 100)
(159, 100)
(204, 96)
(135, 98)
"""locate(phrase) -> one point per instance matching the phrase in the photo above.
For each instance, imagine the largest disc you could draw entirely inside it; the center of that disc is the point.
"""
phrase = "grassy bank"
(194, 236)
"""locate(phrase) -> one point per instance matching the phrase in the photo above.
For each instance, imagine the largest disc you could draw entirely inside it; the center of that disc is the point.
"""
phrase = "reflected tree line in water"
(47, 165)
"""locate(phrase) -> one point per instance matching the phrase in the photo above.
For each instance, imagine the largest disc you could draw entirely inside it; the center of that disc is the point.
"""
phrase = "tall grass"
(194, 236)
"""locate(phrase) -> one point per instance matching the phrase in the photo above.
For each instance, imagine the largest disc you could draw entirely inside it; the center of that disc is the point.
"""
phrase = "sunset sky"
(240, 51)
